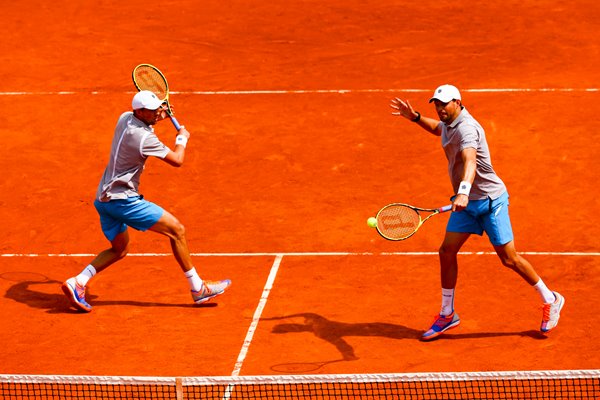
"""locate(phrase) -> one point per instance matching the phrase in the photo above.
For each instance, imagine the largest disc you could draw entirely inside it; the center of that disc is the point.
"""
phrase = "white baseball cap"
(445, 94)
(146, 99)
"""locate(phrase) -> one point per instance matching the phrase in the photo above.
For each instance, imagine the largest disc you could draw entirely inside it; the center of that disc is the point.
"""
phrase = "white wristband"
(464, 188)
(182, 140)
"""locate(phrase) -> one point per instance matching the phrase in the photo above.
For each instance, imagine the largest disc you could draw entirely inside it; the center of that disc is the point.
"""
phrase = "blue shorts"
(116, 215)
(489, 216)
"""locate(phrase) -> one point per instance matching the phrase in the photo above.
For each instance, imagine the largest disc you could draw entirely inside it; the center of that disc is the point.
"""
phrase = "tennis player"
(480, 204)
(120, 204)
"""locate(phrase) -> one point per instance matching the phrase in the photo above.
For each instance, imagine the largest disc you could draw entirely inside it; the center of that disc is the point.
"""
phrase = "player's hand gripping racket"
(148, 77)
(399, 221)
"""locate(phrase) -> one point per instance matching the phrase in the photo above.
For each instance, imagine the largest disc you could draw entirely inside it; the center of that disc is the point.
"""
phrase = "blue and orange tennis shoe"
(209, 290)
(440, 325)
(76, 294)
(551, 313)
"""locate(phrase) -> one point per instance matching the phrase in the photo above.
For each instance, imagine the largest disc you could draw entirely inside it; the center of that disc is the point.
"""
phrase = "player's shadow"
(56, 302)
(335, 332)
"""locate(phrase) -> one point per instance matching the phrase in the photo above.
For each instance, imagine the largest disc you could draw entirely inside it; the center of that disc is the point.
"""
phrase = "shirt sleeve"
(469, 138)
(152, 146)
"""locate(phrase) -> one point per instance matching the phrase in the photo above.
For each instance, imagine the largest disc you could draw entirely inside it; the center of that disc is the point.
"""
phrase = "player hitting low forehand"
(480, 204)
(120, 204)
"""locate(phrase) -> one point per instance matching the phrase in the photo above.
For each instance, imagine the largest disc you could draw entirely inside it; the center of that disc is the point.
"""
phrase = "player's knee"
(446, 250)
(122, 250)
(178, 230)
(511, 263)
(120, 246)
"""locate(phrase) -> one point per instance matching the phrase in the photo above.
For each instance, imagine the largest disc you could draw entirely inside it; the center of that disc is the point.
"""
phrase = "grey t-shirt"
(133, 142)
(465, 132)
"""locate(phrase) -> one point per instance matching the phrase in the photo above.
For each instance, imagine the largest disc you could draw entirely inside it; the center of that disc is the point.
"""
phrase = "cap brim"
(154, 106)
(442, 100)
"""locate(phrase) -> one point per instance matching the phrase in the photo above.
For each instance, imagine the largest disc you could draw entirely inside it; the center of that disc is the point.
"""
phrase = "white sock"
(85, 275)
(193, 279)
(545, 293)
(447, 302)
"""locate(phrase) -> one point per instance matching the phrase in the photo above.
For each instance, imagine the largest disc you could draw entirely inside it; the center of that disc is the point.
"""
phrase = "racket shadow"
(302, 367)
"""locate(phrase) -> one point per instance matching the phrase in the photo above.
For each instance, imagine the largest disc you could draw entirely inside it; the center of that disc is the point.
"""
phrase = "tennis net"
(574, 384)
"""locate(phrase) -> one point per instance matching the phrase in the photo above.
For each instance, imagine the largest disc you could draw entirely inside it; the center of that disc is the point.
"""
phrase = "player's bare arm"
(404, 109)
(176, 157)
(469, 158)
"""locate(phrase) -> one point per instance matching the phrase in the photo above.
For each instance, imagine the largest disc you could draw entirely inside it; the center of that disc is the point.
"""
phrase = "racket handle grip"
(445, 208)
(175, 122)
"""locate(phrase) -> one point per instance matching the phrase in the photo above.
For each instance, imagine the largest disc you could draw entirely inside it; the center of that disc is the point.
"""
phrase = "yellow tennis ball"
(372, 222)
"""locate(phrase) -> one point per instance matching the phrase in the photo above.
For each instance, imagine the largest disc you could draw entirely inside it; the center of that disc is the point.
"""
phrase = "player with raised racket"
(120, 204)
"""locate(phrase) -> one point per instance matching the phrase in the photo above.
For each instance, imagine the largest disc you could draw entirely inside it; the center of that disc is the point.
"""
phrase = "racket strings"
(147, 78)
(398, 222)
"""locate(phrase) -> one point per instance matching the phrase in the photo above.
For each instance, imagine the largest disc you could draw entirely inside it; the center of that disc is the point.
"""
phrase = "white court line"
(312, 91)
(257, 314)
(316, 254)
(350, 91)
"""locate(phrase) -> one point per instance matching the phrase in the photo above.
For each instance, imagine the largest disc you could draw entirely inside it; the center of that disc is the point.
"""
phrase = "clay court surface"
(293, 147)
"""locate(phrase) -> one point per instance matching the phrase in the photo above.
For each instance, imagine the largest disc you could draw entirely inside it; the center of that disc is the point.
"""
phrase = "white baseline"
(309, 91)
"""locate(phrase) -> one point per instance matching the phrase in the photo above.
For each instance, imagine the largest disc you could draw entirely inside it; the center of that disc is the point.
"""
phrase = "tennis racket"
(148, 77)
(400, 221)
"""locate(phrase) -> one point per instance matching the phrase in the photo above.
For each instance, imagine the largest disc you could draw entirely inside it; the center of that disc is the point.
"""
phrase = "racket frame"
(166, 99)
(432, 211)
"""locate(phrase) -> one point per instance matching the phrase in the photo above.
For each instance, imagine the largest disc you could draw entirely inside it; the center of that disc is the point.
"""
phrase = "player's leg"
(553, 302)
(144, 215)
(461, 225)
(118, 249)
(74, 287)
(116, 232)
(499, 229)
(202, 291)
(510, 259)
(448, 253)
(170, 226)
